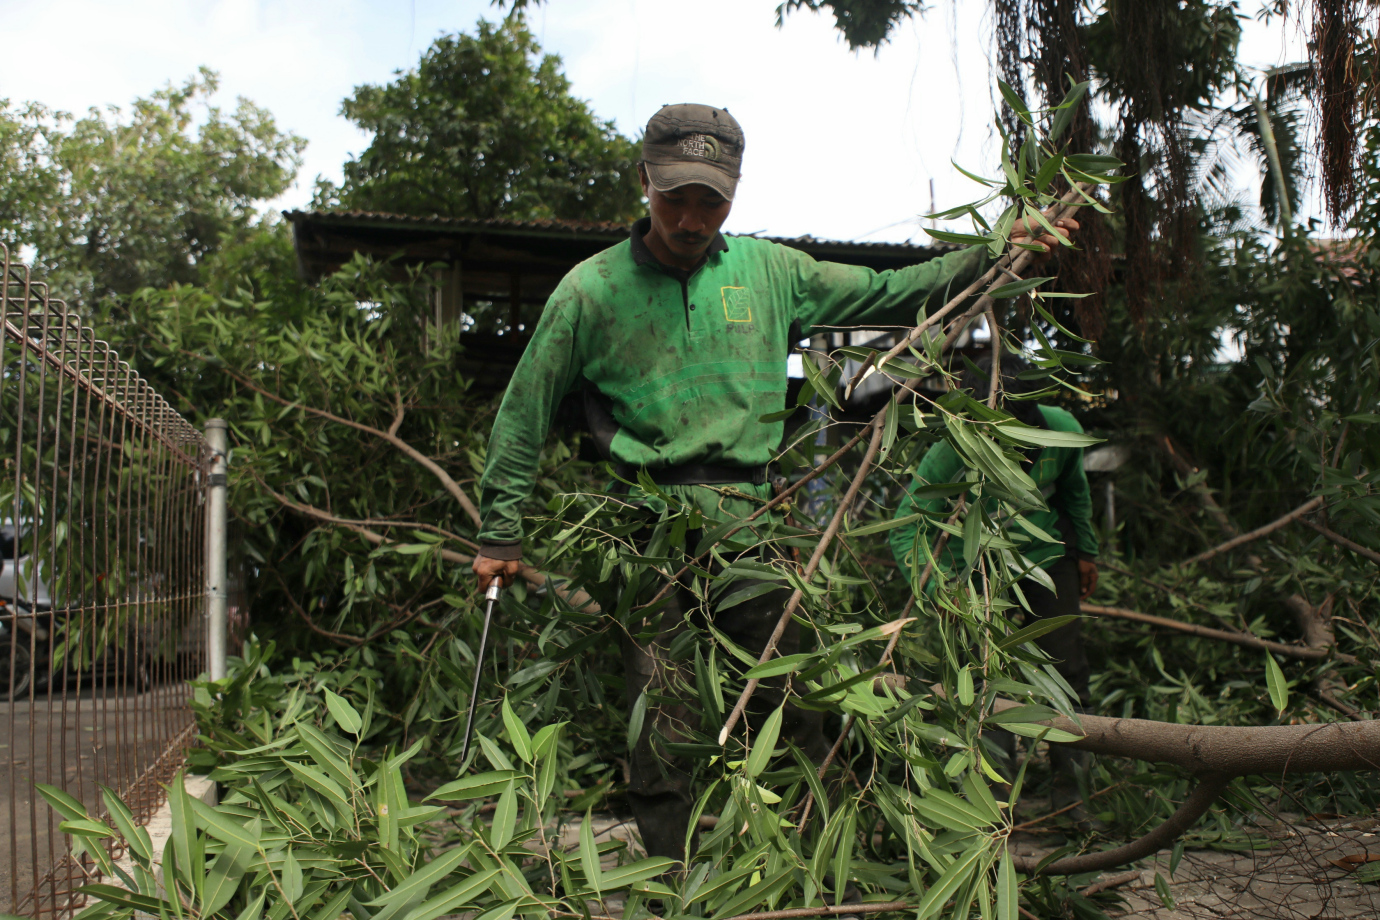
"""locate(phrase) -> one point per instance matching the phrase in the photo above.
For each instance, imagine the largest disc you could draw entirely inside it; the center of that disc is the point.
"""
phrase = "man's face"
(685, 220)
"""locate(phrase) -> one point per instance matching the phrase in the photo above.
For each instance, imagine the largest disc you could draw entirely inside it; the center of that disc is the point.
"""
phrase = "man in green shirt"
(678, 339)
(1058, 473)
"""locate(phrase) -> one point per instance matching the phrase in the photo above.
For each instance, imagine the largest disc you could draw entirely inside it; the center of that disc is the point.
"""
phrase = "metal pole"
(217, 596)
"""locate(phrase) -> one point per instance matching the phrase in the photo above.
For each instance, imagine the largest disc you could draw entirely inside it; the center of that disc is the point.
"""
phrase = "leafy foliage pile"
(313, 823)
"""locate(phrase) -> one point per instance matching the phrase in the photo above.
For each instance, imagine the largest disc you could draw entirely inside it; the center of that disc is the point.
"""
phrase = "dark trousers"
(1065, 644)
(660, 788)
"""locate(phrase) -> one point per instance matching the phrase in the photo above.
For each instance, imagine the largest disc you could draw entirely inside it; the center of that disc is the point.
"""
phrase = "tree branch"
(1307, 507)
(877, 425)
(1185, 817)
(1244, 639)
(1342, 541)
(577, 599)
(390, 436)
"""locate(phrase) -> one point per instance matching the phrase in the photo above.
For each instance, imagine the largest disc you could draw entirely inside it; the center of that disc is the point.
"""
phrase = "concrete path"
(116, 740)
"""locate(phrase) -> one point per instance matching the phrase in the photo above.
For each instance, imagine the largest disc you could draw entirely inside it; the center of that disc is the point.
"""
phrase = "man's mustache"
(689, 239)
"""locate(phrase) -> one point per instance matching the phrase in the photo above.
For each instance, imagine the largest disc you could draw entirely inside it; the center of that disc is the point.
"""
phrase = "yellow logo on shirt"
(737, 304)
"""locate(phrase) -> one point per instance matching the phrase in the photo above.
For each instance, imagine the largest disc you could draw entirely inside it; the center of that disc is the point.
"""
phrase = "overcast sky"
(839, 145)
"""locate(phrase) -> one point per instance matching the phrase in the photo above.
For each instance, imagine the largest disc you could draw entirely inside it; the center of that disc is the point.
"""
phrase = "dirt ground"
(1292, 880)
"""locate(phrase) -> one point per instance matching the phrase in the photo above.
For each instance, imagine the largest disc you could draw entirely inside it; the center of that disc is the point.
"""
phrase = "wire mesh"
(102, 500)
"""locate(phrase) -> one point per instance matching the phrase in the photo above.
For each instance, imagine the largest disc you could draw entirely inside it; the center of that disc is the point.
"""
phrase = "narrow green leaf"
(1274, 678)
(633, 873)
(1036, 630)
(517, 732)
(960, 872)
(254, 910)
(635, 720)
(1014, 100)
(843, 854)
(765, 744)
(322, 784)
(947, 236)
(137, 837)
(589, 853)
(479, 786)
(889, 429)
(224, 828)
(505, 817)
(345, 715)
(783, 665)
(291, 878)
(62, 803)
(419, 883)
(880, 526)
(1162, 889)
(1094, 163)
(1034, 730)
(1064, 113)
(1008, 894)
(189, 860)
(122, 898)
(324, 755)
(755, 894)
(1016, 288)
(223, 878)
(965, 686)
(1042, 437)
(1048, 171)
(447, 901)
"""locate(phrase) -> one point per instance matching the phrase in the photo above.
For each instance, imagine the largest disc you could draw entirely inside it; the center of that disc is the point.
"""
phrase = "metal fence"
(103, 591)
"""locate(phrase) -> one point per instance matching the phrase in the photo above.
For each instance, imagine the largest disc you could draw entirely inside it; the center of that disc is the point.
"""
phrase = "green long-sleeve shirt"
(686, 365)
(1057, 472)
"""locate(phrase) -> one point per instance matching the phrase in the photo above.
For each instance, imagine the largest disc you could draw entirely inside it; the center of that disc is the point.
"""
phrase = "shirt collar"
(642, 255)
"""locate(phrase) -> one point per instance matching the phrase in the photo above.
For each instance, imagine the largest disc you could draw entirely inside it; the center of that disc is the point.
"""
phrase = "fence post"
(217, 594)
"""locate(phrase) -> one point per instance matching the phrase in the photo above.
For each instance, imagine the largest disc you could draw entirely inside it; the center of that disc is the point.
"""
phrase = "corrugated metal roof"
(600, 228)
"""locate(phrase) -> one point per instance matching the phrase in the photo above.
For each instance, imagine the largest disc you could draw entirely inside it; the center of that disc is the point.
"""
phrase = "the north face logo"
(737, 304)
(700, 145)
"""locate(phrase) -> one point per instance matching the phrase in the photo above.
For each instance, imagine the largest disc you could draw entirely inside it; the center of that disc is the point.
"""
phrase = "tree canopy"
(117, 201)
(486, 126)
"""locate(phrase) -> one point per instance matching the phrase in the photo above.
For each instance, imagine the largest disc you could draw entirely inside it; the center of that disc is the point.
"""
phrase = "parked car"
(25, 605)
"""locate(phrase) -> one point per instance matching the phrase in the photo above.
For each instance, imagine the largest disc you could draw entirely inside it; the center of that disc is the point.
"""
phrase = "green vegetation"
(486, 127)
(113, 202)
(357, 445)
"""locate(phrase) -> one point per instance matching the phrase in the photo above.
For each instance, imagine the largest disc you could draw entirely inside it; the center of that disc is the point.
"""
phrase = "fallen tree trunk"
(1215, 754)
(1205, 750)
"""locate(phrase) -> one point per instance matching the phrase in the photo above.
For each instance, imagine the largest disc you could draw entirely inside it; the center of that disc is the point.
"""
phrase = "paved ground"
(114, 739)
(1296, 878)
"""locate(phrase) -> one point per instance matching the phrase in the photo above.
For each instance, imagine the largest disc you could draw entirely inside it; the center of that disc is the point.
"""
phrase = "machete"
(492, 596)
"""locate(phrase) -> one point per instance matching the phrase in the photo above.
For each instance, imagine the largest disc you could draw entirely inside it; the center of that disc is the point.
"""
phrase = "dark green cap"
(690, 144)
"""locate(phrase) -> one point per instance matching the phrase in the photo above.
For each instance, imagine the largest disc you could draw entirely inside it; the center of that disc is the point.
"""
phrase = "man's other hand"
(1026, 228)
(1087, 578)
(486, 570)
